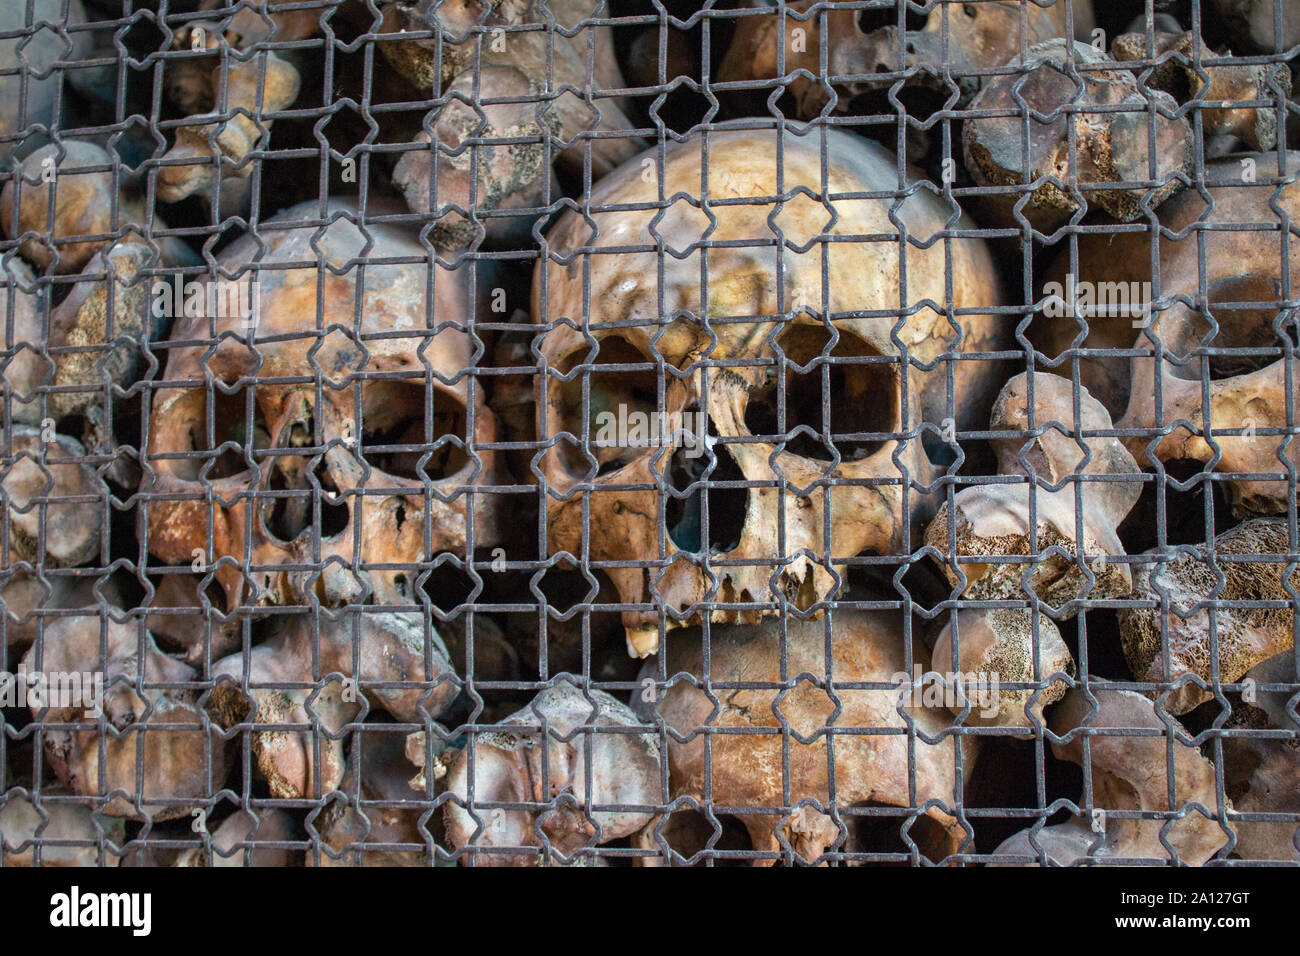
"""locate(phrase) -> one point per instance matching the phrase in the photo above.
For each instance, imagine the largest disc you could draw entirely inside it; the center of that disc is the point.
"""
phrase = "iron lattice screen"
(842, 432)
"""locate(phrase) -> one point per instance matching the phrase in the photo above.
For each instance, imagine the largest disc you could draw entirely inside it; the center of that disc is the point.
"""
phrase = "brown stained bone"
(980, 36)
(1261, 767)
(390, 374)
(67, 834)
(192, 83)
(178, 619)
(239, 841)
(996, 648)
(536, 54)
(1247, 396)
(517, 764)
(94, 208)
(181, 766)
(89, 209)
(278, 683)
(53, 499)
(353, 831)
(99, 327)
(1251, 22)
(245, 91)
(989, 522)
(1110, 148)
(1273, 788)
(1246, 636)
(33, 80)
(22, 322)
(625, 289)
(746, 770)
(27, 598)
(500, 179)
(1129, 773)
(1256, 127)
(1242, 266)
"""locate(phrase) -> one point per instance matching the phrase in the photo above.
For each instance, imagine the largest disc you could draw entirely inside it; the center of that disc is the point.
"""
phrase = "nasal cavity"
(705, 517)
(292, 511)
(847, 390)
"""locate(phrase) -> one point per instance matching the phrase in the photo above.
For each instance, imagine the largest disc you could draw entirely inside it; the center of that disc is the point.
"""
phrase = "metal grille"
(325, 487)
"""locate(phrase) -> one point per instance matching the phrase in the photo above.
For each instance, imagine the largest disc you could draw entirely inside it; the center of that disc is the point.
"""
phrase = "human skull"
(750, 731)
(359, 452)
(627, 329)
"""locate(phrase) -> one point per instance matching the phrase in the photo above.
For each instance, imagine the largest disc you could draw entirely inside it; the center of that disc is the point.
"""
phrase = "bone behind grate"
(353, 552)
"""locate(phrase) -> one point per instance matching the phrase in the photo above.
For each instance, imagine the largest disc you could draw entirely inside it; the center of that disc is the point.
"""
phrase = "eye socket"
(394, 436)
(231, 421)
(861, 396)
(970, 10)
(621, 408)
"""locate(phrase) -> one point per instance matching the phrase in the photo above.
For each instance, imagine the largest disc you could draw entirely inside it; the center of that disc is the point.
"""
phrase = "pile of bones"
(557, 432)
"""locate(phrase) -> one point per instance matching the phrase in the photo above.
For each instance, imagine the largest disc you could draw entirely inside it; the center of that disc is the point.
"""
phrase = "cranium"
(365, 442)
(628, 326)
(137, 738)
(761, 680)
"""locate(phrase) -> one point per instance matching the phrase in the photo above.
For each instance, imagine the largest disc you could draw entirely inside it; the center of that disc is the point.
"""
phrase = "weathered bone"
(1261, 769)
(499, 178)
(537, 54)
(179, 765)
(992, 523)
(237, 841)
(553, 771)
(1255, 126)
(248, 90)
(1110, 148)
(980, 36)
(996, 647)
(1244, 636)
(284, 685)
(53, 499)
(69, 834)
(744, 771)
(353, 832)
(1242, 265)
(1129, 773)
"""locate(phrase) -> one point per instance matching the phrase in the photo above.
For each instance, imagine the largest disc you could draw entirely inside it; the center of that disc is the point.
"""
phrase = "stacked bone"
(798, 312)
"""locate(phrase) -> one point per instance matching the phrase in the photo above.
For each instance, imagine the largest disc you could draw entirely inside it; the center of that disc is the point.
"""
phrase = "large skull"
(629, 325)
(350, 451)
